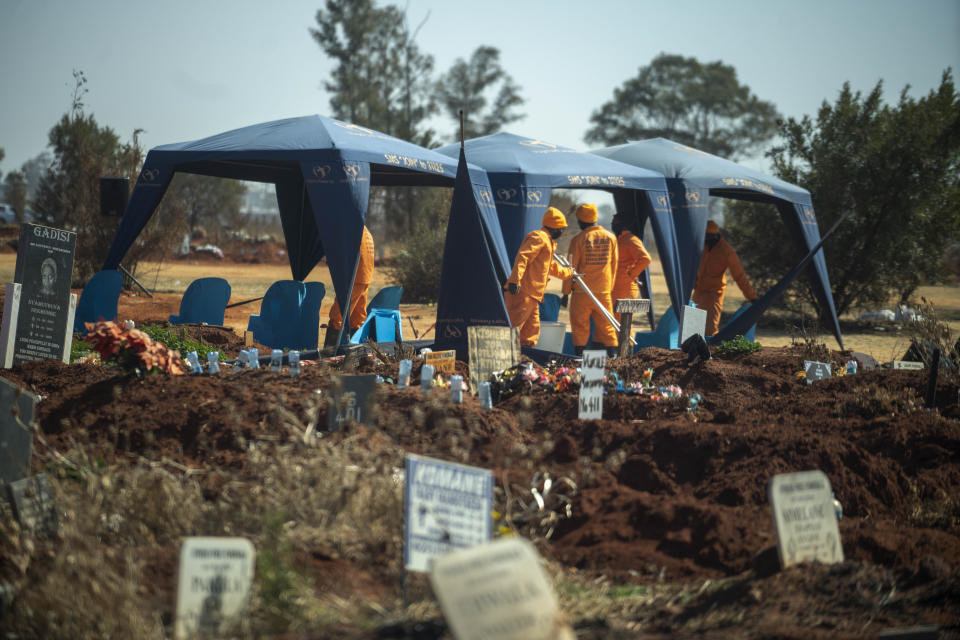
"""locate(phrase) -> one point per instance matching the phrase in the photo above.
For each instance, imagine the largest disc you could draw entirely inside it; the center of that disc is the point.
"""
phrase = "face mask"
(712, 239)
(556, 233)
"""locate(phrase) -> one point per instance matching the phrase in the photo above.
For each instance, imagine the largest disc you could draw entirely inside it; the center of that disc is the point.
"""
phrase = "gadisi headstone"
(350, 400)
(33, 504)
(590, 405)
(805, 518)
(693, 321)
(39, 307)
(213, 585)
(498, 591)
(16, 433)
(491, 349)
(816, 370)
(447, 506)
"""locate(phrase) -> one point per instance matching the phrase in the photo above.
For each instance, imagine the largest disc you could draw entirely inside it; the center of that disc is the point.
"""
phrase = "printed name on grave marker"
(693, 321)
(804, 518)
(908, 365)
(447, 506)
(631, 305)
(351, 399)
(213, 585)
(590, 405)
(816, 370)
(498, 591)
(443, 361)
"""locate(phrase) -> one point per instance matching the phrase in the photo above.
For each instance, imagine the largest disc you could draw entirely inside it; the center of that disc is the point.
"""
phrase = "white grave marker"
(805, 518)
(498, 591)
(213, 584)
(591, 385)
(908, 365)
(693, 321)
(816, 370)
(448, 506)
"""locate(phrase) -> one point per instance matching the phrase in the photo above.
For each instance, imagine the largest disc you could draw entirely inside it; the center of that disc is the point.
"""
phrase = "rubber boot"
(330, 340)
(612, 352)
(578, 351)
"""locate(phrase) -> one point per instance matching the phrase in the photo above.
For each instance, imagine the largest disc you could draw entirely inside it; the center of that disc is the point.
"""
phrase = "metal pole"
(135, 281)
(606, 314)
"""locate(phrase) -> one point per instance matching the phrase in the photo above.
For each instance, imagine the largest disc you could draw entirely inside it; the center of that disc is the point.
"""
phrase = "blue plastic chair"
(550, 307)
(277, 324)
(666, 336)
(204, 302)
(310, 314)
(98, 300)
(382, 325)
(386, 298)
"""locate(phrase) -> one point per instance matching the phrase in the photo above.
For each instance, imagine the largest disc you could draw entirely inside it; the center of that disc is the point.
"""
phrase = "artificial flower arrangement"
(132, 350)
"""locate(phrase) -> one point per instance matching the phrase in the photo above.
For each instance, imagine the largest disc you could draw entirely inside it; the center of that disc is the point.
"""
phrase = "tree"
(701, 105)
(69, 192)
(895, 168)
(381, 81)
(207, 202)
(15, 192)
(473, 87)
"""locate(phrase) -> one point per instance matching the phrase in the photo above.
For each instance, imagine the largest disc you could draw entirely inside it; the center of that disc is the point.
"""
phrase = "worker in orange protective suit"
(632, 259)
(594, 255)
(532, 268)
(711, 284)
(358, 297)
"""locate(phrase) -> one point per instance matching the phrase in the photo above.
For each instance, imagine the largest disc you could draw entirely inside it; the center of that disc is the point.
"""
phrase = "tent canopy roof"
(264, 152)
(542, 164)
(704, 170)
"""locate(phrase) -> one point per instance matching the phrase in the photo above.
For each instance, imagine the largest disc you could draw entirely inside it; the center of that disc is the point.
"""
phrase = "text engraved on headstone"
(804, 517)
(44, 269)
(816, 370)
(491, 349)
(448, 506)
(591, 385)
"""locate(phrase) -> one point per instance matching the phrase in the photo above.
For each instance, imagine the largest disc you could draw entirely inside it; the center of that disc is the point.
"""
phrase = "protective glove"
(513, 288)
(564, 300)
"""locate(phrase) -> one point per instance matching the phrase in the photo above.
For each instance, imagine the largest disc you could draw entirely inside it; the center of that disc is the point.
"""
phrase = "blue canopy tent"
(322, 170)
(522, 172)
(693, 177)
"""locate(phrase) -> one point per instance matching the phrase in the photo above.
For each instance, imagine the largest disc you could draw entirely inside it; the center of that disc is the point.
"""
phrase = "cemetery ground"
(669, 531)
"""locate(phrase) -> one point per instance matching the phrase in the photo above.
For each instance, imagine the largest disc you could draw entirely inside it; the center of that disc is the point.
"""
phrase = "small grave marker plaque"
(351, 399)
(498, 591)
(693, 321)
(631, 305)
(816, 370)
(442, 361)
(908, 365)
(16, 436)
(213, 585)
(33, 504)
(41, 325)
(352, 356)
(448, 506)
(626, 307)
(805, 518)
(591, 385)
(491, 349)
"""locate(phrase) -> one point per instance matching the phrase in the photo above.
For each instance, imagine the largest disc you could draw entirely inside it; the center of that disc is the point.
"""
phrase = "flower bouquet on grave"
(132, 350)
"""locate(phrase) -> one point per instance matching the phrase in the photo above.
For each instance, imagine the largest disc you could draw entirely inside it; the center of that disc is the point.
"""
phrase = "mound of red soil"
(663, 492)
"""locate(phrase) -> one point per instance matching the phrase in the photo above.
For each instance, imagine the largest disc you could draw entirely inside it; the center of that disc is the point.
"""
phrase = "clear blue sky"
(186, 69)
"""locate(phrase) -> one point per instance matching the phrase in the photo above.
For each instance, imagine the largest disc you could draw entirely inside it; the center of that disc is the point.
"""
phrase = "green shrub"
(419, 263)
(739, 345)
(177, 340)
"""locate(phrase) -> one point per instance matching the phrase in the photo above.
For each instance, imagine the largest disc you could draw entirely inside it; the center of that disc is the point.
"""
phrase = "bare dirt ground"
(670, 515)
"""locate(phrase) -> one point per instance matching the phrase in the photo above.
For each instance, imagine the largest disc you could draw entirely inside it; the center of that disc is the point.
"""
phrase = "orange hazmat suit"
(532, 267)
(711, 284)
(594, 255)
(632, 259)
(361, 284)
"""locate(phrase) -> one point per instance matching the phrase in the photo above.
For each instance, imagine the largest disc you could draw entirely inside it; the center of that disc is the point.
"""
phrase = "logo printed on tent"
(485, 196)
(149, 175)
(506, 194)
(535, 196)
(321, 171)
(693, 196)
